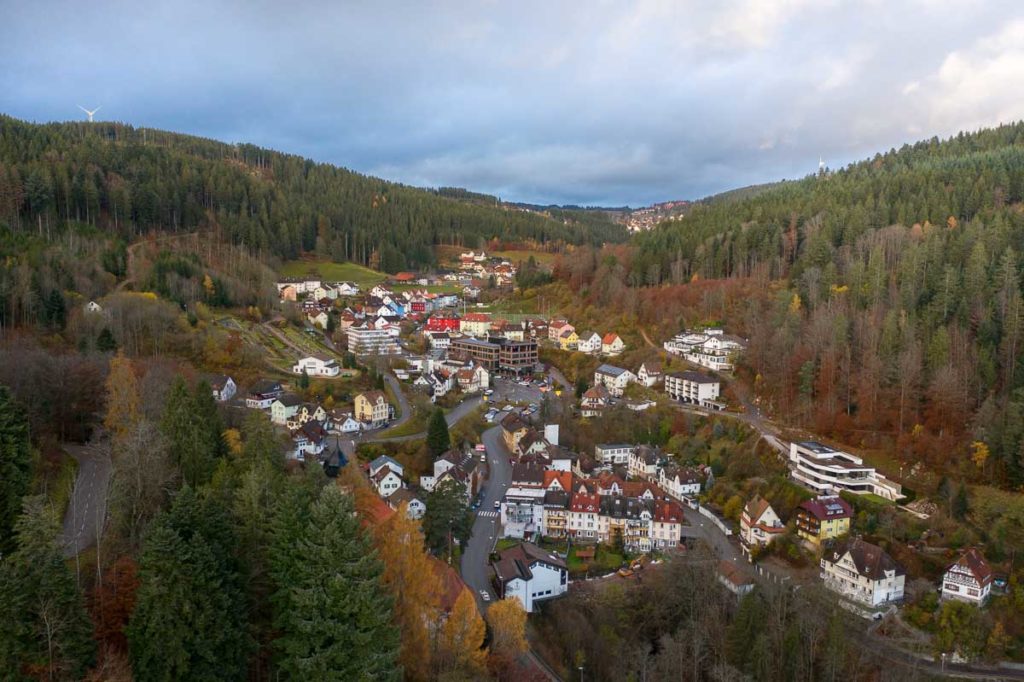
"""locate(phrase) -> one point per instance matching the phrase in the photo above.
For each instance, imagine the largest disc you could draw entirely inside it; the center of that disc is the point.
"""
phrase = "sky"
(594, 102)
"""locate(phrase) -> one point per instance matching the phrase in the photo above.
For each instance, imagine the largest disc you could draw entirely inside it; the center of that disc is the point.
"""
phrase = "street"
(87, 508)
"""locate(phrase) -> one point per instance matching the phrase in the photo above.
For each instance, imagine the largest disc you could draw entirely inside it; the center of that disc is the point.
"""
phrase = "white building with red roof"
(969, 579)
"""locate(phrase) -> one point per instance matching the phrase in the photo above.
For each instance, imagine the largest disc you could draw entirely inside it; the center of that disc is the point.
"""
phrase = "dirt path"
(133, 248)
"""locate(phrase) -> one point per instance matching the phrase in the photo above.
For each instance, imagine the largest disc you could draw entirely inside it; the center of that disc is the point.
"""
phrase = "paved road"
(87, 508)
(454, 416)
(475, 566)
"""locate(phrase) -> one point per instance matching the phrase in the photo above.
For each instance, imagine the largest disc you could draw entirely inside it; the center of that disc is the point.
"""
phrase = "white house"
(263, 394)
(93, 307)
(439, 340)
(615, 379)
(473, 379)
(611, 344)
(310, 439)
(223, 387)
(385, 461)
(612, 453)
(863, 572)
(826, 471)
(347, 289)
(679, 482)
(589, 342)
(649, 373)
(284, 408)
(416, 507)
(692, 387)
(317, 366)
(759, 524)
(320, 319)
(386, 481)
(530, 574)
(343, 422)
(643, 462)
(969, 579)
(594, 400)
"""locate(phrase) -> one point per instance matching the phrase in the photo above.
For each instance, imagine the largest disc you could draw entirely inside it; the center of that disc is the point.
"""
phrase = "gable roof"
(373, 396)
(512, 422)
(871, 560)
(515, 562)
(974, 562)
(289, 400)
(609, 338)
(384, 460)
(610, 370)
(827, 508)
(756, 508)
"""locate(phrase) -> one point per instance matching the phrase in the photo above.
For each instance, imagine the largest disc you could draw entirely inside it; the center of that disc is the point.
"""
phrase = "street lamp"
(943, 656)
(581, 673)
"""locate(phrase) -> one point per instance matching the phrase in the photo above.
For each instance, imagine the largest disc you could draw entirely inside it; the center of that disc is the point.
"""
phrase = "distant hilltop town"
(643, 219)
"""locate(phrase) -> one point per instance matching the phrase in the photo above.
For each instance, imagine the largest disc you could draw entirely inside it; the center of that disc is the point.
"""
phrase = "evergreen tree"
(105, 342)
(15, 465)
(193, 427)
(304, 380)
(189, 620)
(961, 504)
(45, 631)
(447, 519)
(261, 442)
(334, 615)
(438, 438)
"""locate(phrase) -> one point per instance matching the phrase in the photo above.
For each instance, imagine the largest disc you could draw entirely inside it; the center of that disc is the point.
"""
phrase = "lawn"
(542, 257)
(334, 272)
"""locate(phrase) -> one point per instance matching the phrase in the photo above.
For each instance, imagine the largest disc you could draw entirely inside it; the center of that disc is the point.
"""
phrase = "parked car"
(497, 504)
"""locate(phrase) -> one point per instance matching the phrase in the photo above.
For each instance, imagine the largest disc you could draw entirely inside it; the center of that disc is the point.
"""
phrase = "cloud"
(608, 102)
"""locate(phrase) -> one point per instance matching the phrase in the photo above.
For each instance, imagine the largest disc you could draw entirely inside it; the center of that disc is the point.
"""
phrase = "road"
(475, 567)
(87, 508)
(453, 417)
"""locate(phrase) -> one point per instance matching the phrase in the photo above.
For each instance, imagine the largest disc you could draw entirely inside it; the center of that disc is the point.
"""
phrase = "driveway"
(87, 508)
(475, 567)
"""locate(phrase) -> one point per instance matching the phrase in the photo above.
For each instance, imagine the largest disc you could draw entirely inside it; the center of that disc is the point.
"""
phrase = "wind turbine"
(90, 114)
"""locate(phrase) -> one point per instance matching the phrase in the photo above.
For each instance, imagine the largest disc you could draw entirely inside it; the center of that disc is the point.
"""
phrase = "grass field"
(334, 272)
(542, 257)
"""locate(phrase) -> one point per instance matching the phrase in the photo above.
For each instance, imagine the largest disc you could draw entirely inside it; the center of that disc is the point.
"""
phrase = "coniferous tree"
(15, 465)
(192, 426)
(105, 342)
(438, 437)
(44, 628)
(447, 519)
(334, 614)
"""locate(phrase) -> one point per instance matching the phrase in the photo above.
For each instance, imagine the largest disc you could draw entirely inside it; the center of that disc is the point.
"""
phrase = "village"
(546, 514)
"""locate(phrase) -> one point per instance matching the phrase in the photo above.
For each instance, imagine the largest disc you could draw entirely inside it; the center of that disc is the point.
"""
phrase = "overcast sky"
(587, 102)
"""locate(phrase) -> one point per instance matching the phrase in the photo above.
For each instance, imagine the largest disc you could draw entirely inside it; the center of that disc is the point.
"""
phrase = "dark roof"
(871, 560)
(973, 561)
(512, 422)
(528, 473)
(556, 499)
(289, 400)
(610, 370)
(695, 377)
(515, 562)
(829, 507)
(264, 386)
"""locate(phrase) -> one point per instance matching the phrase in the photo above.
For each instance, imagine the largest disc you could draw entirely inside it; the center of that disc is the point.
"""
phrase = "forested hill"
(896, 313)
(131, 181)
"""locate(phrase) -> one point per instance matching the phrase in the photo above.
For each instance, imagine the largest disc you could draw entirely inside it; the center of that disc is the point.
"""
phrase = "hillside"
(883, 301)
(130, 181)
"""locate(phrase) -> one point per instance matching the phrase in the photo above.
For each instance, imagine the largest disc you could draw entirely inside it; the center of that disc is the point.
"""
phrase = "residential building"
(284, 408)
(969, 579)
(415, 508)
(518, 357)
(263, 394)
(372, 409)
(613, 453)
(439, 340)
(643, 462)
(513, 429)
(385, 461)
(467, 349)
(442, 323)
(530, 574)
(649, 373)
(317, 366)
(373, 338)
(612, 344)
(863, 572)
(459, 466)
(759, 524)
(223, 387)
(594, 400)
(615, 379)
(823, 518)
(711, 348)
(679, 482)
(347, 289)
(568, 339)
(309, 441)
(342, 422)
(826, 471)
(557, 327)
(386, 481)
(93, 307)
(589, 342)
(473, 379)
(475, 324)
(692, 387)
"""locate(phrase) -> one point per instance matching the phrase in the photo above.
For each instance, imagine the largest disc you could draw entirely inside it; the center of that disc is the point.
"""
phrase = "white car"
(485, 595)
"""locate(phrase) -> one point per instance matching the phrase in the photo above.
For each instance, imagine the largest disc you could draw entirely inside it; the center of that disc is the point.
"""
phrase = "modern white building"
(969, 579)
(711, 348)
(530, 574)
(613, 453)
(693, 387)
(615, 379)
(863, 572)
(317, 366)
(371, 339)
(827, 471)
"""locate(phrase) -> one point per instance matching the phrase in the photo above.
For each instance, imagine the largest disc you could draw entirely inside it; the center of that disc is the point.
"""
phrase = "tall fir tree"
(438, 437)
(15, 465)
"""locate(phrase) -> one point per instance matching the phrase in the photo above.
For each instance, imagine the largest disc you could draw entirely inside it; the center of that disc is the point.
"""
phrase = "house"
(693, 387)
(649, 373)
(969, 579)
(347, 289)
(594, 400)
(643, 462)
(317, 366)
(613, 453)
(679, 482)
(734, 579)
(284, 408)
(385, 461)
(459, 466)
(473, 379)
(863, 572)
(386, 481)
(711, 348)
(759, 524)
(342, 422)
(557, 327)
(223, 387)
(372, 409)
(826, 471)
(93, 307)
(439, 340)
(513, 429)
(442, 323)
(438, 383)
(320, 319)
(415, 508)
(475, 324)
(309, 439)
(823, 518)
(263, 394)
(289, 292)
(615, 379)
(612, 344)
(568, 339)
(530, 574)
(589, 342)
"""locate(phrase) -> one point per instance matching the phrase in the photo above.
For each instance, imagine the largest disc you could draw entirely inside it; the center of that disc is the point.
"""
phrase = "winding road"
(87, 508)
